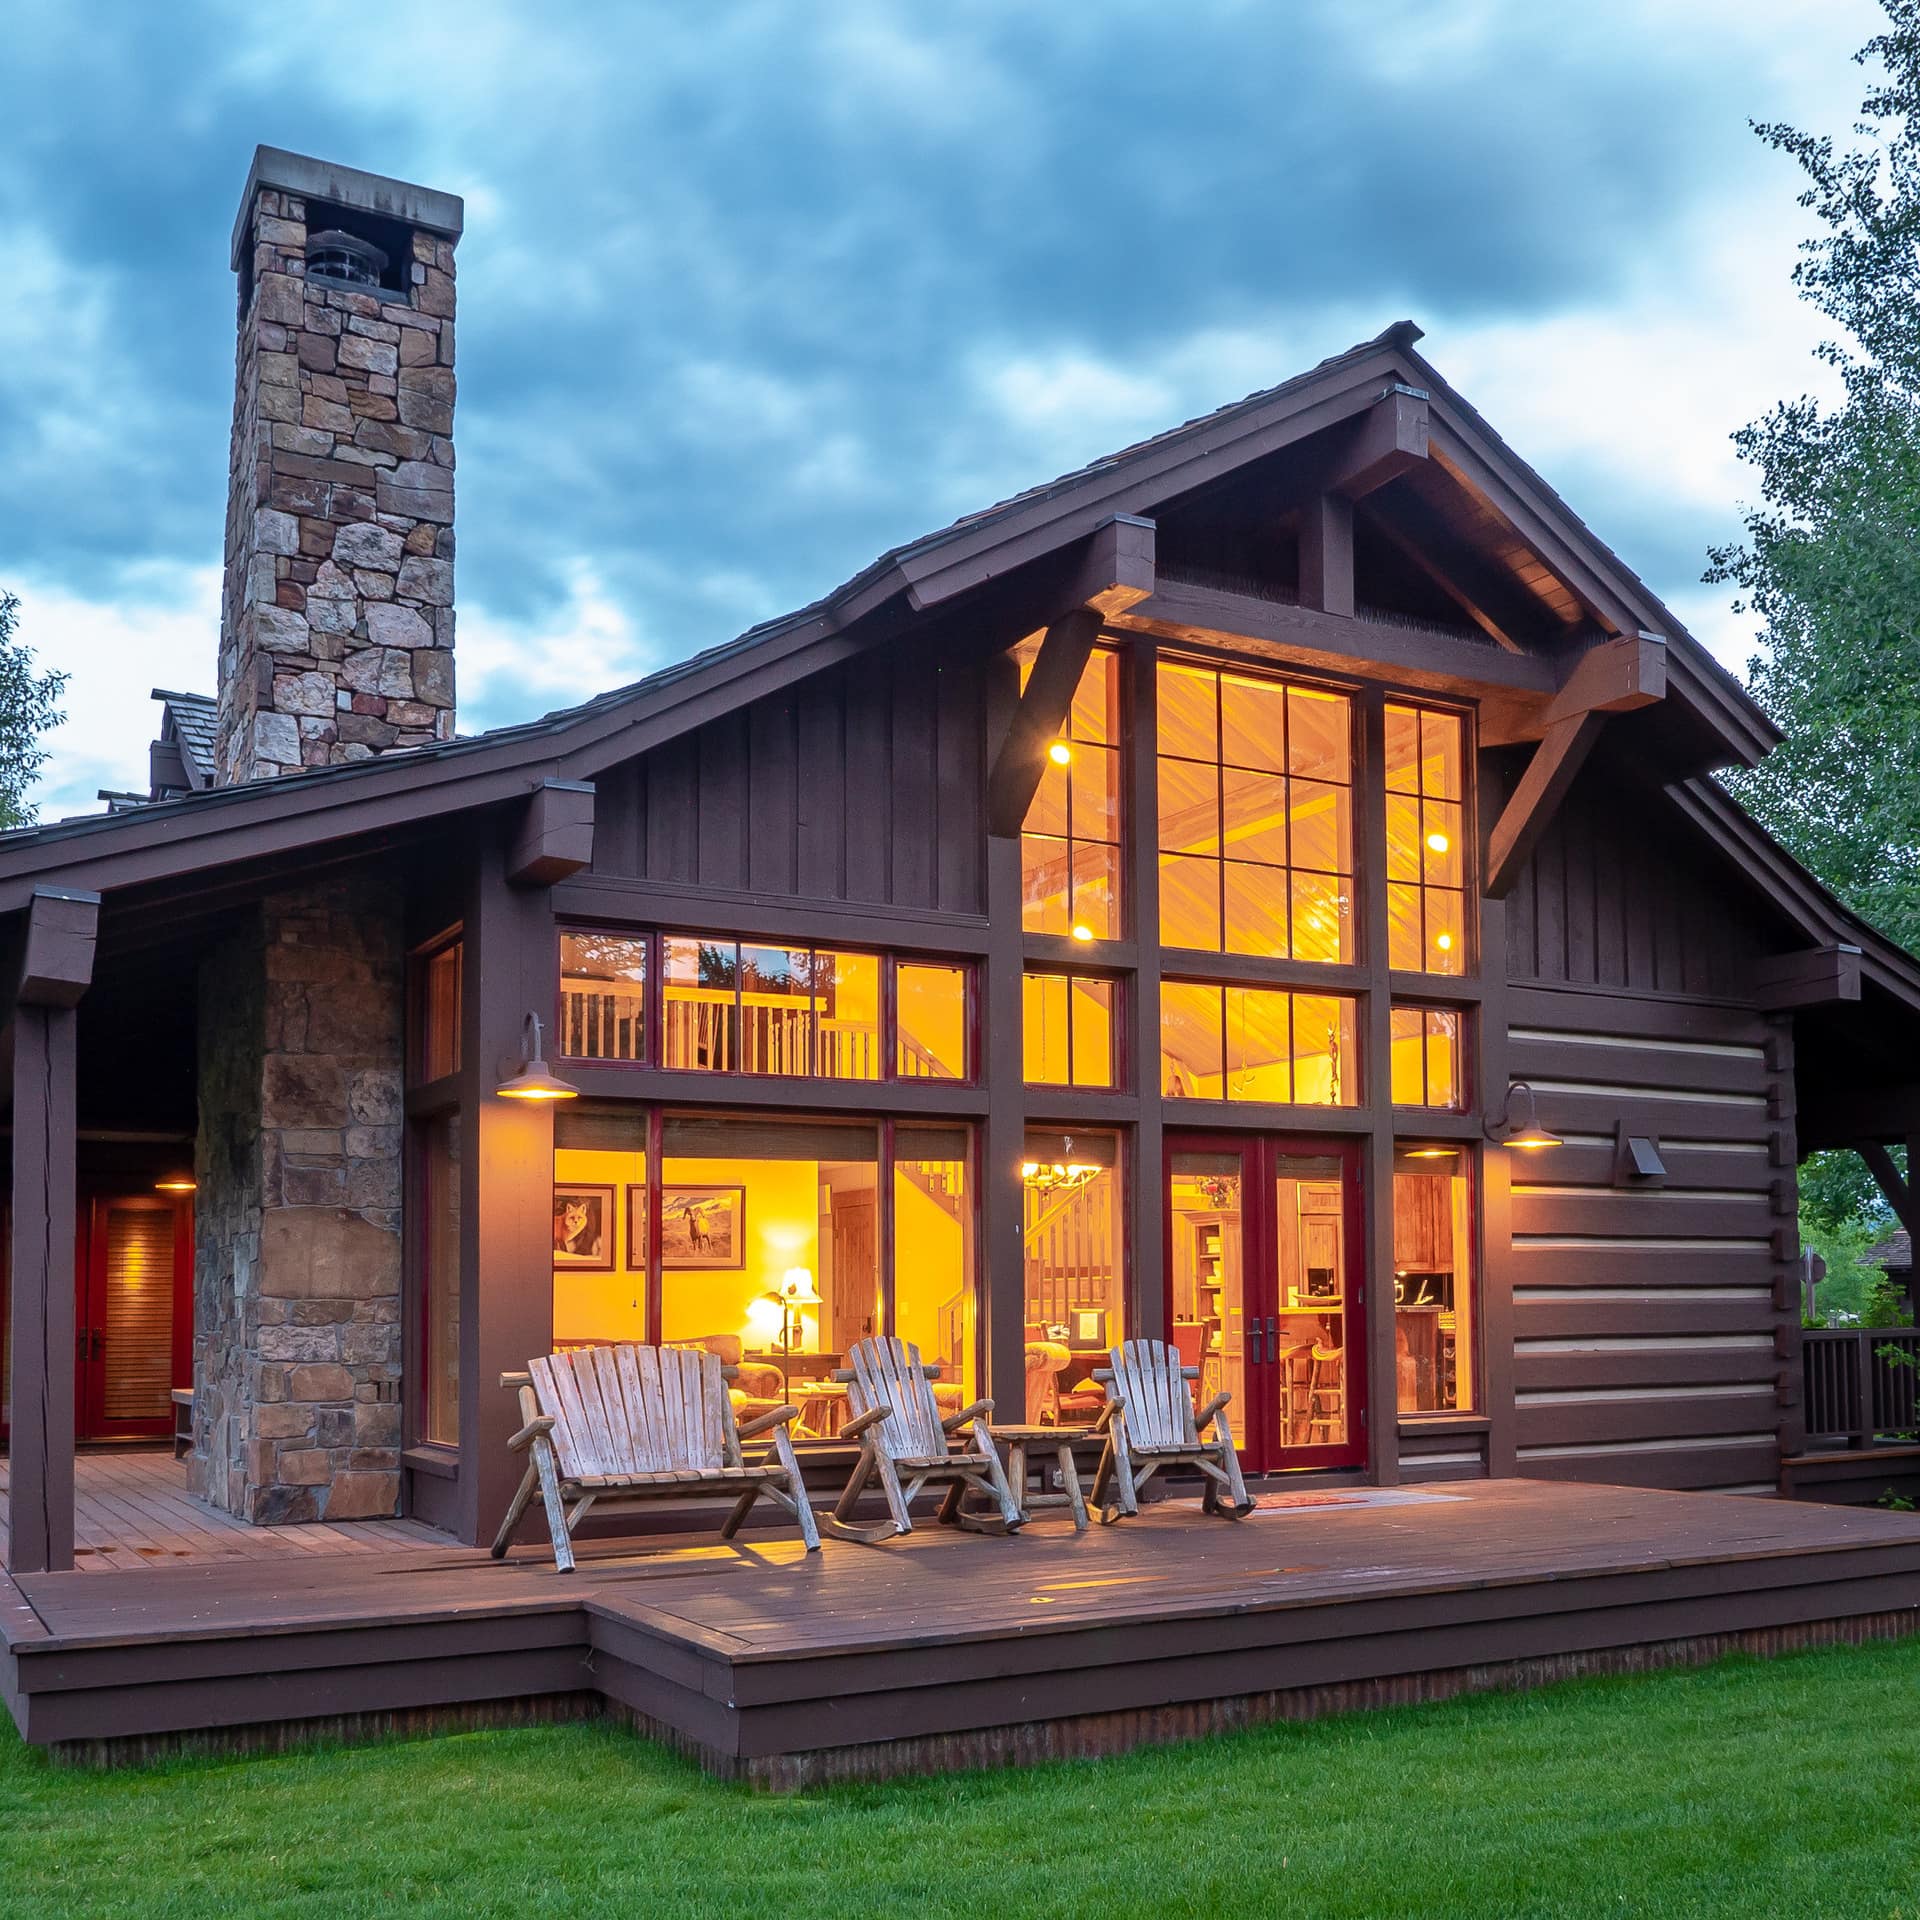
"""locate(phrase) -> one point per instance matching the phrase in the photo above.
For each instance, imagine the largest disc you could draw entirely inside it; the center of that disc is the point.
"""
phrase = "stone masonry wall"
(336, 623)
(297, 1339)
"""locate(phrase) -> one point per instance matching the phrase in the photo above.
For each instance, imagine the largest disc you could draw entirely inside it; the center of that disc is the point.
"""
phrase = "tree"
(1831, 559)
(29, 708)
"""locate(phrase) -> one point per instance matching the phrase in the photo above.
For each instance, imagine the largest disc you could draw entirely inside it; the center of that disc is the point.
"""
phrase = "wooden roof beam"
(56, 953)
(1489, 597)
(1614, 677)
(1811, 977)
(1899, 1194)
(1039, 719)
(554, 838)
(1381, 445)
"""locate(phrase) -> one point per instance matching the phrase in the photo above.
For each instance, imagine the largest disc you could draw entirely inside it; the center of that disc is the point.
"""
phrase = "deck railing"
(1860, 1393)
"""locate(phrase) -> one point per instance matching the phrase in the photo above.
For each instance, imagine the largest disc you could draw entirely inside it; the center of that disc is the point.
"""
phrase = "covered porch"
(942, 1650)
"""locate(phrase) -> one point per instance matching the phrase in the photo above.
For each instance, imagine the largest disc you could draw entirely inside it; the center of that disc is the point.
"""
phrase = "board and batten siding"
(1655, 1328)
(863, 784)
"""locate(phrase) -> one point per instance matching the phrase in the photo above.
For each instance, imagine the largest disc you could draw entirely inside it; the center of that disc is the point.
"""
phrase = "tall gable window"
(1426, 840)
(1070, 841)
(1256, 816)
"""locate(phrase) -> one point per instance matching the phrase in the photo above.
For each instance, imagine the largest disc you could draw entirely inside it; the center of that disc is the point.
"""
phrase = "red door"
(1264, 1272)
(134, 1315)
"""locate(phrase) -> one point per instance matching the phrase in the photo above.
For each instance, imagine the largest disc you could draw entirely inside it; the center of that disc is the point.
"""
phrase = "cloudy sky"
(749, 292)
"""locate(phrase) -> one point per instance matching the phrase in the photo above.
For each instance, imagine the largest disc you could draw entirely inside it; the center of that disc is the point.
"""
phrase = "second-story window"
(1426, 840)
(1070, 841)
(1256, 816)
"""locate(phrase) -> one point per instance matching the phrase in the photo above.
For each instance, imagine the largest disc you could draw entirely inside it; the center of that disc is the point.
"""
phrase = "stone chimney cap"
(443, 213)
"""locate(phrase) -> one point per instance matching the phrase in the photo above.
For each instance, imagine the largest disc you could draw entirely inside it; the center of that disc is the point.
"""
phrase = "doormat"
(1357, 1497)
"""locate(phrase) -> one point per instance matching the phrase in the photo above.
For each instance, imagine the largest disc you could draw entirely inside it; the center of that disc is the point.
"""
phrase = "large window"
(440, 1197)
(705, 1004)
(1075, 1273)
(1256, 816)
(1432, 1280)
(1067, 1030)
(1257, 1044)
(1426, 1057)
(765, 1241)
(1070, 842)
(1426, 841)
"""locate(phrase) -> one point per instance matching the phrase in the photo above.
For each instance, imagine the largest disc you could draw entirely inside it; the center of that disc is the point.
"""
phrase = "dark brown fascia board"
(972, 553)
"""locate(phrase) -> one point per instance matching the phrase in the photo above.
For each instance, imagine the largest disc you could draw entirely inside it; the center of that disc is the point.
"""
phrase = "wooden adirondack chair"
(908, 1446)
(624, 1425)
(1151, 1423)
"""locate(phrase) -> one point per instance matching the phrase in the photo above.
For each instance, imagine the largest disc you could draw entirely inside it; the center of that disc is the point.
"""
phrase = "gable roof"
(974, 552)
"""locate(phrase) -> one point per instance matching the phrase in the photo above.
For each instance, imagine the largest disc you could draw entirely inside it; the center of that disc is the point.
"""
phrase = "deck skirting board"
(1089, 1736)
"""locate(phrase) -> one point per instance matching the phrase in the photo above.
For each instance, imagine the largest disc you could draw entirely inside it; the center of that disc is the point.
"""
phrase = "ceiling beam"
(1810, 977)
(1491, 598)
(1040, 718)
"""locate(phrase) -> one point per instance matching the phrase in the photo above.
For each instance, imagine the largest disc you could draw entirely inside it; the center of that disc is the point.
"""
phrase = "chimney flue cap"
(344, 259)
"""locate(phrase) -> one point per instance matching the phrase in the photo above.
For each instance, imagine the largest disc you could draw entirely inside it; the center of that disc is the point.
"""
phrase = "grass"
(1749, 1788)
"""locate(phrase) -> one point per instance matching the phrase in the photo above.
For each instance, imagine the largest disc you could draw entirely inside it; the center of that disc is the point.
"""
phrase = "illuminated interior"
(1067, 1030)
(1217, 1295)
(1432, 1280)
(1426, 843)
(438, 1042)
(769, 1248)
(1075, 1272)
(1256, 1044)
(735, 1007)
(1070, 841)
(1426, 1057)
(1256, 816)
(440, 1181)
(932, 1014)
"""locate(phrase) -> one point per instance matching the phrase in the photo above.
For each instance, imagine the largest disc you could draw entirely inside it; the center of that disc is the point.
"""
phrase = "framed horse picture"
(583, 1229)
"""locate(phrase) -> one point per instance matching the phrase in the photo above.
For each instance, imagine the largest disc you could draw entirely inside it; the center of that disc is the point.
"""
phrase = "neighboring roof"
(972, 552)
(189, 719)
(1894, 1254)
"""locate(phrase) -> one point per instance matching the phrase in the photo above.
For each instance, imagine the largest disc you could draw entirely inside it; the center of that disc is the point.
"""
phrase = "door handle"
(1253, 1341)
(1273, 1338)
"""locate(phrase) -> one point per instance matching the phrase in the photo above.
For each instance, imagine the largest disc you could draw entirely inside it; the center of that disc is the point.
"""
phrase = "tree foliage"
(1831, 559)
(29, 708)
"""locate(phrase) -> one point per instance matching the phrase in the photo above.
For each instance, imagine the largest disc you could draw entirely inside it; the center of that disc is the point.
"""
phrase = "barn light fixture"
(1512, 1131)
(533, 1079)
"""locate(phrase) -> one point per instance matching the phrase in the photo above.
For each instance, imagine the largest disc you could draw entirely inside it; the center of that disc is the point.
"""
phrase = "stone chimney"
(336, 618)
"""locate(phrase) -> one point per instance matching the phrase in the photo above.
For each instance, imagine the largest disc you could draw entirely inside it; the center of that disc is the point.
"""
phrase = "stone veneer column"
(297, 1261)
(336, 623)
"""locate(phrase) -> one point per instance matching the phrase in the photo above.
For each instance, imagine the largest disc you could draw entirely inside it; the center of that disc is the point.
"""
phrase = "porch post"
(1147, 1275)
(1003, 1138)
(506, 1247)
(55, 969)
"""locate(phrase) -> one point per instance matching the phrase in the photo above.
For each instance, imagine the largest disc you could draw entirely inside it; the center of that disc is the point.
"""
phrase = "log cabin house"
(1267, 889)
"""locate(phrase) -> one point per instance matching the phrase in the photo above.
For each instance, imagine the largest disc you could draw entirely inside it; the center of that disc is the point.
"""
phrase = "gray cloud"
(732, 272)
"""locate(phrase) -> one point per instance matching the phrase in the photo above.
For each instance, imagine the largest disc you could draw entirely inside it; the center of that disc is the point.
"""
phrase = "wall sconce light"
(1512, 1130)
(532, 1078)
(1636, 1158)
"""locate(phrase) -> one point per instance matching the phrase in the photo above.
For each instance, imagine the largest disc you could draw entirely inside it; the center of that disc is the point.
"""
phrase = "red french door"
(1264, 1268)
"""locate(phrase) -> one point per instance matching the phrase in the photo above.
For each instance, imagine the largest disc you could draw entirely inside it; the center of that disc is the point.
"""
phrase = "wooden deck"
(946, 1650)
(132, 1511)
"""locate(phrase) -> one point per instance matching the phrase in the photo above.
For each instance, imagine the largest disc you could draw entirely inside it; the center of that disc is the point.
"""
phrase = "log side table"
(1059, 1441)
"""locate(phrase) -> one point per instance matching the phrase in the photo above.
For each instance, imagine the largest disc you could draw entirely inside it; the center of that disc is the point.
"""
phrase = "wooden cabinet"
(1422, 1223)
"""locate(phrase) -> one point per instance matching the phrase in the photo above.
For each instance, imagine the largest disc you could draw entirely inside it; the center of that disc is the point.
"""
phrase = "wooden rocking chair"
(907, 1445)
(1152, 1424)
(625, 1425)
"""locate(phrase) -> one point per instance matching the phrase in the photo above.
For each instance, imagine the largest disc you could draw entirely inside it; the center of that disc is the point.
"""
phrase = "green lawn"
(1752, 1788)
